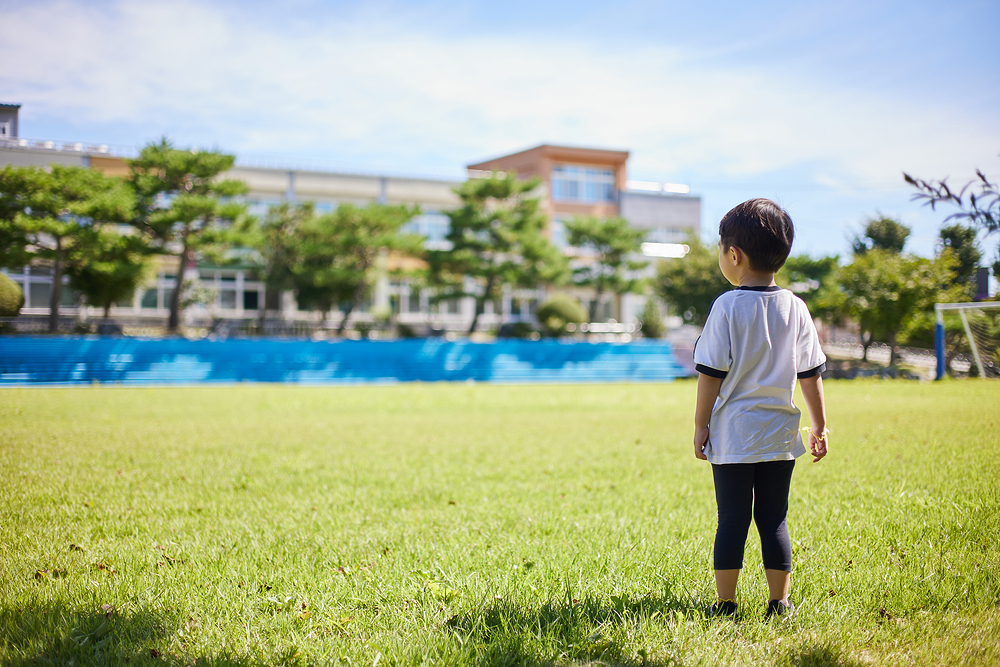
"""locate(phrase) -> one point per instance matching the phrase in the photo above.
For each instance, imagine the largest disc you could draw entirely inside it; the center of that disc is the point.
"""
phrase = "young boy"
(758, 340)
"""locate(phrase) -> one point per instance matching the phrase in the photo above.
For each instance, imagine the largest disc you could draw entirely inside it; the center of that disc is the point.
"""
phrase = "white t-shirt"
(759, 340)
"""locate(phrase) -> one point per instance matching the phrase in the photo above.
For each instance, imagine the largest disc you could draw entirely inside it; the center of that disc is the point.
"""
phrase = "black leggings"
(760, 490)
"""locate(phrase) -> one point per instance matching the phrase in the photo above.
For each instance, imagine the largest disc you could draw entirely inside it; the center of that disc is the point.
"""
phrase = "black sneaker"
(779, 608)
(722, 608)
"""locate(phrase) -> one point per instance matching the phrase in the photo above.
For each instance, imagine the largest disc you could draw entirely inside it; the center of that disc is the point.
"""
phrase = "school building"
(575, 181)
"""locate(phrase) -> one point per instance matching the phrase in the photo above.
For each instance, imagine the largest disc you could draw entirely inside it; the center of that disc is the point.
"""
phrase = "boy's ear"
(736, 255)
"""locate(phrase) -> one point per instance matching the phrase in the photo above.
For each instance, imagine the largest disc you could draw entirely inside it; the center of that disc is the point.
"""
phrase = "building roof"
(9, 105)
(567, 153)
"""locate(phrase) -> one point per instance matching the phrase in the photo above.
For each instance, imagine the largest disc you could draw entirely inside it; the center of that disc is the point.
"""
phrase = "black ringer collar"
(760, 288)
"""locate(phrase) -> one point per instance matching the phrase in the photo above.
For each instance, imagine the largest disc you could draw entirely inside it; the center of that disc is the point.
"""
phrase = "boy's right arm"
(812, 391)
(708, 391)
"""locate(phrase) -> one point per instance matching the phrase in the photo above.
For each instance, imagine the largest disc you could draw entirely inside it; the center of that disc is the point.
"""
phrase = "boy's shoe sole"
(721, 608)
(779, 608)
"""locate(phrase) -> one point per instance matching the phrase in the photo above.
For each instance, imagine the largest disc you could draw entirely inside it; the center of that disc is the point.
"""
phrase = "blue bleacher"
(134, 361)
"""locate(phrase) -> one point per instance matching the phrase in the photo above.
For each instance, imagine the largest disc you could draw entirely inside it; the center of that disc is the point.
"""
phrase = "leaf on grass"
(75, 547)
(105, 568)
(441, 591)
(153, 653)
(303, 615)
(54, 573)
(340, 624)
(344, 570)
(101, 630)
(107, 610)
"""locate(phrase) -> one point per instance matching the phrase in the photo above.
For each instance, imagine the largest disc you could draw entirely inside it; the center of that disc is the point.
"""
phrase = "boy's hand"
(700, 440)
(818, 447)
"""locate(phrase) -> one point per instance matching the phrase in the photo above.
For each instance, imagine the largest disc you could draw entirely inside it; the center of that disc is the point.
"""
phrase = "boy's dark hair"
(761, 229)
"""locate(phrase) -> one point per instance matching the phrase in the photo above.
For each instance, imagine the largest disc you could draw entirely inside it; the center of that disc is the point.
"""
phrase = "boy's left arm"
(812, 391)
(708, 391)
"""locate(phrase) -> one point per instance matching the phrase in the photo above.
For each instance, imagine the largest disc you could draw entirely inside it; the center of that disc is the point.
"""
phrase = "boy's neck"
(757, 279)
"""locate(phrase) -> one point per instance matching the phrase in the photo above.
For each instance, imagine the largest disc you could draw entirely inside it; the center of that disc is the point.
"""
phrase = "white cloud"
(403, 92)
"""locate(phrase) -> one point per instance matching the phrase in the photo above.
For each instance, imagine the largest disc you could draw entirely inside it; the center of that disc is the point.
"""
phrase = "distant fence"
(28, 360)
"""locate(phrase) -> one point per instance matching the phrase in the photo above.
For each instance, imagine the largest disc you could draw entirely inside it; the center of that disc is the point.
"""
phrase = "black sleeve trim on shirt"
(710, 372)
(811, 372)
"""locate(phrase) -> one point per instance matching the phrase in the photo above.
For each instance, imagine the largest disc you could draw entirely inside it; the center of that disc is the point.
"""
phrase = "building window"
(558, 234)
(413, 302)
(148, 300)
(666, 235)
(572, 182)
(227, 299)
(434, 227)
(39, 295)
(250, 300)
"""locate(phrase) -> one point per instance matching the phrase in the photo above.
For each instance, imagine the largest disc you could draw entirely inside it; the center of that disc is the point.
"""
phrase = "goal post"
(979, 354)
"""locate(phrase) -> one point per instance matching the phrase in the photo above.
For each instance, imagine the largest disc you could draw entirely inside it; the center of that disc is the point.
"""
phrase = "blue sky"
(819, 106)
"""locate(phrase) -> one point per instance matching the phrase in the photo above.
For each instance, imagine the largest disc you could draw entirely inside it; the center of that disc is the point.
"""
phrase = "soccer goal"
(981, 322)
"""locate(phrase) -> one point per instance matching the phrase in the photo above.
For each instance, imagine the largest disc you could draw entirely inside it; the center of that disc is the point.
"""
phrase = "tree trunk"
(595, 303)
(480, 306)
(56, 295)
(355, 298)
(866, 343)
(107, 310)
(175, 299)
(343, 321)
(892, 349)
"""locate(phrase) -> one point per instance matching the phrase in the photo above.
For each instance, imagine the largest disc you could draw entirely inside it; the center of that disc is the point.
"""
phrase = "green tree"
(276, 241)
(884, 292)
(689, 285)
(106, 266)
(961, 240)
(611, 270)
(183, 205)
(54, 212)
(16, 187)
(881, 233)
(339, 253)
(812, 280)
(498, 242)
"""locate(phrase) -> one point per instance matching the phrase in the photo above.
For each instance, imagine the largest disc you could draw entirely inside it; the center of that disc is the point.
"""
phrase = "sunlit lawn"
(480, 525)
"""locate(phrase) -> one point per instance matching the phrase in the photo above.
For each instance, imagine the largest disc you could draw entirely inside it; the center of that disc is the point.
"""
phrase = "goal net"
(980, 324)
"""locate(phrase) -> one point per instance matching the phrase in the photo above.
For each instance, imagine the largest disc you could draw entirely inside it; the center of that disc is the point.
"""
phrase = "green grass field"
(480, 525)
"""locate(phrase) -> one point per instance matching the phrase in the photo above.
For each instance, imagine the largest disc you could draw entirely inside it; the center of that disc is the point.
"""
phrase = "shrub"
(405, 331)
(651, 320)
(558, 311)
(11, 297)
(516, 330)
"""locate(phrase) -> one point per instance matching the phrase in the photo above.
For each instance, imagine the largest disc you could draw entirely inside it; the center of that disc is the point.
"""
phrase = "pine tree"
(183, 205)
(498, 243)
(612, 243)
